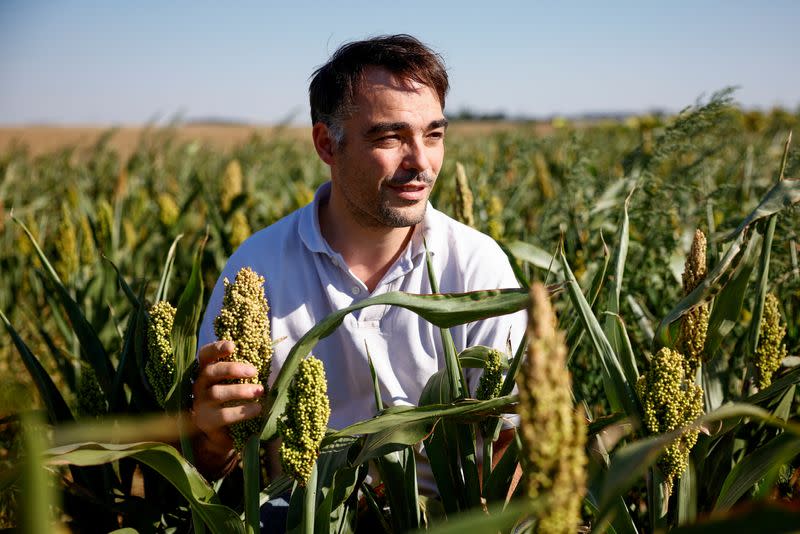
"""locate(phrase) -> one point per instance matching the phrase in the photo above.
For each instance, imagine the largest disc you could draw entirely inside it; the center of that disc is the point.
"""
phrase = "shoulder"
(267, 243)
(479, 260)
(452, 235)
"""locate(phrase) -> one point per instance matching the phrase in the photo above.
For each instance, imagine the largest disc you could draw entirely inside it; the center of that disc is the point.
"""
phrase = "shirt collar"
(309, 228)
(311, 234)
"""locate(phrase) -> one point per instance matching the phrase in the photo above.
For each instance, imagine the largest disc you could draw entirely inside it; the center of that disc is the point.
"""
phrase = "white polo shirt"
(306, 280)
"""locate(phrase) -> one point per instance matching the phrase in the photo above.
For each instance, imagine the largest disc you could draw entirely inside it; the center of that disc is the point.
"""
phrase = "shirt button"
(355, 290)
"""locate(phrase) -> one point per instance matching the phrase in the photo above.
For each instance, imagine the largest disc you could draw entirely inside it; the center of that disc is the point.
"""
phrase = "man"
(378, 123)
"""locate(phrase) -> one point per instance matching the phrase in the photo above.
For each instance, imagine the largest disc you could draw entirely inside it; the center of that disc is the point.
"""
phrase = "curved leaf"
(163, 285)
(402, 415)
(535, 256)
(57, 409)
(778, 387)
(169, 463)
(614, 328)
(443, 311)
(391, 440)
(755, 466)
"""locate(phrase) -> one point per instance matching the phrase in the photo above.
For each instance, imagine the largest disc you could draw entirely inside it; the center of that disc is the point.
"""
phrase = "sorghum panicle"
(552, 430)
(231, 184)
(464, 198)
(543, 177)
(66, 247)
(694, 324)
(105, 224)
(160, 366)
(87, 241)
(244, 320)
(670, 401)
(695, 268)
(130, 233)
(305, 420)
(168, 210)
(770, 351)
(491, 378)
(240, 228)
(494, 211)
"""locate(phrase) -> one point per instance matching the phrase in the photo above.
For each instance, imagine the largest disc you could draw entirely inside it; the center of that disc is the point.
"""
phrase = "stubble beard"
(396, 216)
(392, 216)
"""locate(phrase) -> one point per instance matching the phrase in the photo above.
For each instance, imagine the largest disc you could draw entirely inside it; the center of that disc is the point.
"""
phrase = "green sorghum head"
(91, 400)
(305, 420)
(770, 351)
(694, 270)
(240, 228)
(231, 184)
(87, 241)
(491, 379)
(494, 211)
(670, 401)
(464, 198)
(244, 320)
(168, 211)
(552, 430)
(543, 177)
(694, 324)
(160, 366)
(67, 260)
(105, 223)
(130, 233)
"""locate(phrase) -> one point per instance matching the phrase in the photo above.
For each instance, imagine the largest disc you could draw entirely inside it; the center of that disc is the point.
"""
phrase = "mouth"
(413, 191)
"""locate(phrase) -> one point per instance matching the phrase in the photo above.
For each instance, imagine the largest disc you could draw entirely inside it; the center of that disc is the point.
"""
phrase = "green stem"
(186, 450)
(309, 503)
(488, 450)
(252, 467)
(465, 434)
(656, 497)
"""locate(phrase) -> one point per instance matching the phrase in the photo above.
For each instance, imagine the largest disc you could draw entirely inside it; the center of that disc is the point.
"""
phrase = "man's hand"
(214, 409)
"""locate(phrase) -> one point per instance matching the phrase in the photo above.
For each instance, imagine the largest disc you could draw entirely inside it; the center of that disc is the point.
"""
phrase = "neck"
(369, 251)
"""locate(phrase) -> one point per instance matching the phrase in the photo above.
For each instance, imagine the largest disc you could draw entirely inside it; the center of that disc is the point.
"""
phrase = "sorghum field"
(657, 390)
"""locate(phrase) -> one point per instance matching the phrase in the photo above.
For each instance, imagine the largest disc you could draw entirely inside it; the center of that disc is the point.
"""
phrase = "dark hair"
(334, 84)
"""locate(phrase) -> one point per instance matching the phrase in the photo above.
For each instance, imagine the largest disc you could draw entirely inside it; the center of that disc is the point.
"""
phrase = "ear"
(323, 143)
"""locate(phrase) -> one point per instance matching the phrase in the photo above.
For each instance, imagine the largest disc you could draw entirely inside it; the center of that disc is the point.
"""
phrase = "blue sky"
(94, 62)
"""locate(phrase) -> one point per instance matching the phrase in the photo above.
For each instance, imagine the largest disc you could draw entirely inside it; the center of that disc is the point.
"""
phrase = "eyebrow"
(383, 127)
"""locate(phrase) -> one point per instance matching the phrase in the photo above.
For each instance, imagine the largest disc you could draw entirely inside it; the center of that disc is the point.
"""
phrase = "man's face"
(392, 151)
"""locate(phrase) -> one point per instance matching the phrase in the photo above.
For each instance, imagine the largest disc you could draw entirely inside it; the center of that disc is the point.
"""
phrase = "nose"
(416, 156)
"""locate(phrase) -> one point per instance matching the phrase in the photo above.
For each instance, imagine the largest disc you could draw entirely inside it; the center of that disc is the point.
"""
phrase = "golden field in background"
(44, 139)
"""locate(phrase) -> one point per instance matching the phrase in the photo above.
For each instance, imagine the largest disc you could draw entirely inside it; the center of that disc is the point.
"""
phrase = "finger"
(219, 371)
(212, 352)
(212, 420)
(223, 393)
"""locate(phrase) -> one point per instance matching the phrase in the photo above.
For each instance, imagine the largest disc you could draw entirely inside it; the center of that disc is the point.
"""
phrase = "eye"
(388, 140)
(438, 134)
